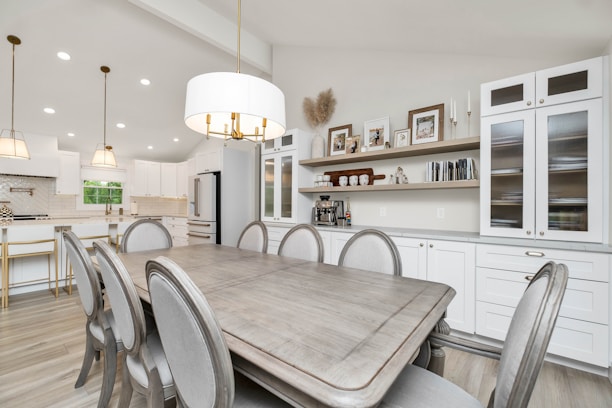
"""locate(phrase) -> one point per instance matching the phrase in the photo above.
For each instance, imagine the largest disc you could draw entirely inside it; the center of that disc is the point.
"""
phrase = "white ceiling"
(137, 43)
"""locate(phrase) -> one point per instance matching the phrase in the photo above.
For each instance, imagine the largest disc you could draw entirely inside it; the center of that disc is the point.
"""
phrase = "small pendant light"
(104, 156)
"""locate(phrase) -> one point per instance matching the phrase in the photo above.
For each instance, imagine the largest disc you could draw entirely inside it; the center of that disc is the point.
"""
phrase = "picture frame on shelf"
(353, 144)
(401, 137)
(376, 133)
(336, 139)
(426, 124)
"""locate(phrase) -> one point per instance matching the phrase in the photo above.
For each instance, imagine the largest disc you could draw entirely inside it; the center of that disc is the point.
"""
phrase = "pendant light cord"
(13, 94)
(105, 74)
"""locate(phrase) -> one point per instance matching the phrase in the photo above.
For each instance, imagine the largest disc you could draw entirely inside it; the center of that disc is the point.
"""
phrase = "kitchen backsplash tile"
(23, 202)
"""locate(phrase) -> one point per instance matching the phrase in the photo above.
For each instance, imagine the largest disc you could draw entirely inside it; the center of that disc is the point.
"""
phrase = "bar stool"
(20, 244)
(87, 234)
(116, 239)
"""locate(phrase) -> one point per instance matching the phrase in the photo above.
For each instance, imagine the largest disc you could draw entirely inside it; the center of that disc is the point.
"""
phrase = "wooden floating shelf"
(394, 187)
(445, 146)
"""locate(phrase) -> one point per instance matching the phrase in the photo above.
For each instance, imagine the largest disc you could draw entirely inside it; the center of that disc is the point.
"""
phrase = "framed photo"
(427, 124)
(376, 133)
(402, 137)
(336, 139)
(353, 144)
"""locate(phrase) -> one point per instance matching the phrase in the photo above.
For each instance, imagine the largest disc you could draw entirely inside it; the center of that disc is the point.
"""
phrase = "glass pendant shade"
(12, 146)
(221, 94)
(104, 157)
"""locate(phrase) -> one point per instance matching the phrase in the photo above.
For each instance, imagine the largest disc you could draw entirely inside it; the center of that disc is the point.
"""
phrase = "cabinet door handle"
(541, 100)
(541, 233)
(421, 244)
(528, 103)
(431, 245)
(529, 278)
(528, 232)
(534, 253)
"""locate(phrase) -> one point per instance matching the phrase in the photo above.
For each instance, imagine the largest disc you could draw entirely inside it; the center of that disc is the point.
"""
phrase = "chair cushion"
(138, 372)
(418, 388)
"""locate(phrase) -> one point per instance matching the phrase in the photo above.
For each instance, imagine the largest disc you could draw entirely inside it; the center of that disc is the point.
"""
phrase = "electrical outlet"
(440, 213)
(383, 211)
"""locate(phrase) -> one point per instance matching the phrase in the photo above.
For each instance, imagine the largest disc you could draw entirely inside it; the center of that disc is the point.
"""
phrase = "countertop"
(65, 221)
(466, 236)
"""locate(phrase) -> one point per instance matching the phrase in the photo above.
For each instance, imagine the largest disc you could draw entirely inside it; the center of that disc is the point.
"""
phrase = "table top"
(319, 334)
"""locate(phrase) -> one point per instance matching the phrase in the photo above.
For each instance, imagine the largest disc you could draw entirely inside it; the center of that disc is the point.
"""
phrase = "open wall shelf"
(394, 187)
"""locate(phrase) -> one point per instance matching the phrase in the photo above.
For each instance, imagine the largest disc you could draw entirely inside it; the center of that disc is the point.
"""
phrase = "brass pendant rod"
(15, 41)
(238, 48)
(106, 70)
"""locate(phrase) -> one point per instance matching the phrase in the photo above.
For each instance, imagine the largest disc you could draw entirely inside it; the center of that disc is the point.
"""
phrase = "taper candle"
(469, 103)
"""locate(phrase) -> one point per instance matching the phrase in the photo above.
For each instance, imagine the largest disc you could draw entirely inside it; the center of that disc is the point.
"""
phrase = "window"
(102, 192)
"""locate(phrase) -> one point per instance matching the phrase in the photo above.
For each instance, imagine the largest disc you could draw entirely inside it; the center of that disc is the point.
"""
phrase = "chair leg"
(110, 371)
(126, 386)
(87, 361)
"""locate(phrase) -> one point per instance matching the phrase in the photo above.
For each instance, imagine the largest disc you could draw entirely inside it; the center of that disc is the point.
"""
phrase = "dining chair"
(145, 368)
(371, 250)
(101, 331)
(145, 234)
(254, 237)
(87, 233)
(19, 244)
(199, 358)
(521, 358)
(303, 242)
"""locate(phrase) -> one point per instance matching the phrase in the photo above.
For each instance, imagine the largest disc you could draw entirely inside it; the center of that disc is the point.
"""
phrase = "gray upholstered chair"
(371, 250)
(199, 358)
(254, 237)
(144, 235)
(145, 368)
(520, 360)
(303, 242)
(100, 328)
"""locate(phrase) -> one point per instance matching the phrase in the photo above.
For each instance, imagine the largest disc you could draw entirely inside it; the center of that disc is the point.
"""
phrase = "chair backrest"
(144, 235)
(90, 291)
(528, 336)
(123, 297)
(371, 250)
(19, 239)
(254, 237)
(303, 242)
(198, 358)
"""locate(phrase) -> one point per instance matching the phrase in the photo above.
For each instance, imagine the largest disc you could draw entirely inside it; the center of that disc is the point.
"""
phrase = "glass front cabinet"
(281, 177)
(542, 172)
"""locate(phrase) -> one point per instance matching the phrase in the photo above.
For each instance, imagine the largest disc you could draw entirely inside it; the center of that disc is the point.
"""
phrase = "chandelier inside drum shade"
(12, 142)
(231, 105)
(104, 156)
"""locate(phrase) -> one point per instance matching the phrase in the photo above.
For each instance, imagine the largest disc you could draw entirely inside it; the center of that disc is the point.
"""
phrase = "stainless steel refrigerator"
(204, 212)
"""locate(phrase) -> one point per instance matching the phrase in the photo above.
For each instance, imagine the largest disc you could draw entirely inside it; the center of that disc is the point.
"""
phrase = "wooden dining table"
(317, 335)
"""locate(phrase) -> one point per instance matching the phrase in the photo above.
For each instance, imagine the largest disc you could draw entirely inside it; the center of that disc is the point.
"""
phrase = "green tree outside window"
(102, 192)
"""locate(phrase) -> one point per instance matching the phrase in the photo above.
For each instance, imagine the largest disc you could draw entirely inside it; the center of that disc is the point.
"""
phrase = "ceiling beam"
(208, 25)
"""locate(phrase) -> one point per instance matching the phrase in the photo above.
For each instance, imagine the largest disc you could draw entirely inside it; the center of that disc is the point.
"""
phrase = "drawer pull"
(534, 253)
(529, 278)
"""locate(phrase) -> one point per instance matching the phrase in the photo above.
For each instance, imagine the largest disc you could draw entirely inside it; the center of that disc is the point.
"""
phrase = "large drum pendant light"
(231, 105)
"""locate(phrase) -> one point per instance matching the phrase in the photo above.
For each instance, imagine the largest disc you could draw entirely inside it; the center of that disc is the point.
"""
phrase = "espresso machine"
(327, 212)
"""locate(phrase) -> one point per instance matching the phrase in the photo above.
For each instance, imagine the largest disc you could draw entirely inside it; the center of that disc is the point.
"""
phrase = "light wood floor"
(41, 350)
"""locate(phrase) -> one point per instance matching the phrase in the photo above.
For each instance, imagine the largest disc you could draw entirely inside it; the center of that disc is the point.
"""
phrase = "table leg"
(438, 356)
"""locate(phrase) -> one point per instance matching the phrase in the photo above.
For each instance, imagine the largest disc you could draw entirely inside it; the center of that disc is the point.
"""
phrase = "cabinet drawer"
(583, 300)
(202, 227)
(581, 265)
(276, 233)
(197, 238)
(575, 339)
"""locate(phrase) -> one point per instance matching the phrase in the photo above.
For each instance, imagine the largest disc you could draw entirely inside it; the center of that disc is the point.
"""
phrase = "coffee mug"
(353, 180)
(364, 179)
(343, 180)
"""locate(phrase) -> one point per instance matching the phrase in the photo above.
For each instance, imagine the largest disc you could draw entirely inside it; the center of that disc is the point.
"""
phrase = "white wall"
(372, 84)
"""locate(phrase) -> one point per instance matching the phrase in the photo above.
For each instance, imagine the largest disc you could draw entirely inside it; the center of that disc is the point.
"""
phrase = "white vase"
(318, 147)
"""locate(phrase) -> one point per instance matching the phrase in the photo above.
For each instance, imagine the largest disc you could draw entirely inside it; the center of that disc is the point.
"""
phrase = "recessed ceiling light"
(63, 56)
(150, 147)
(176, 139)
(50, 111)
(70, 134)
(120, 125)
(145, 82)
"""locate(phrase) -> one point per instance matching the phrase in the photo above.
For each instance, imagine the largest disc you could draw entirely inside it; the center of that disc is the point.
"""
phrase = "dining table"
(315, 334)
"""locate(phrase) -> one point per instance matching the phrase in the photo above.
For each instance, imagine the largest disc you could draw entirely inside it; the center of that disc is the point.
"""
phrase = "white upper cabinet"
(168, 185)
(69, 179)
(147, 179)
(209, 161)
(286, 142)
(567, 83)
(182, 177)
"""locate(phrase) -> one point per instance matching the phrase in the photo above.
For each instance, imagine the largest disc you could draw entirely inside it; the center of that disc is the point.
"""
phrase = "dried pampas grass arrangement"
(319, 112)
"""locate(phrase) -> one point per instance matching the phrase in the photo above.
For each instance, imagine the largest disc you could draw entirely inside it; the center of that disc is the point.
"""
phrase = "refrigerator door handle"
(196, 210)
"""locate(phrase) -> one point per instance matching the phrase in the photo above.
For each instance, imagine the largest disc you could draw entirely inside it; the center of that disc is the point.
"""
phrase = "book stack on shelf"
(447, 170)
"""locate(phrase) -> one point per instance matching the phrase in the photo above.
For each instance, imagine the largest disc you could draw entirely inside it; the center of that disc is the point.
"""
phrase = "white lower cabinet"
(177, 226)
(581, 331)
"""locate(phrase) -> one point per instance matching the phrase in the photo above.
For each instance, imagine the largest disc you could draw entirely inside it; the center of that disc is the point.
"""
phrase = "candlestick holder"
(451, 129)
(469, 113)
(455, 128)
